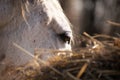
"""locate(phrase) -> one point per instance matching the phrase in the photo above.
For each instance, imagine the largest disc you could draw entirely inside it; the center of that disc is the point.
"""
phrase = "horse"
(31, 24)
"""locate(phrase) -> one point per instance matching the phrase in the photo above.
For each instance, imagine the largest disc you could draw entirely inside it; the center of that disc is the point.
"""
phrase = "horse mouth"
(66, 37)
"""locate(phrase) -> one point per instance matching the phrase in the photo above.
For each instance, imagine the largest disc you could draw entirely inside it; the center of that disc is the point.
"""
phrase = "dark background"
(91, 16)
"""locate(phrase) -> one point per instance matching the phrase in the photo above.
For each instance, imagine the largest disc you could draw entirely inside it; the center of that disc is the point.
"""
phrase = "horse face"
(32, 24)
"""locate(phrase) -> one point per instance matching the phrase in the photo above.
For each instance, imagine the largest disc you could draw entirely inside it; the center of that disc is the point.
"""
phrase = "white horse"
(31, 24)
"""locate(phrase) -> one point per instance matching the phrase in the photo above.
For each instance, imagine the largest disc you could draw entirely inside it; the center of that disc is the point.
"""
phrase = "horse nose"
(66, 37)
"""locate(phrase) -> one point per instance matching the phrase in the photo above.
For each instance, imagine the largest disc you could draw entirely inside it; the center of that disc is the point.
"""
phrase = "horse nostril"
(65, 37)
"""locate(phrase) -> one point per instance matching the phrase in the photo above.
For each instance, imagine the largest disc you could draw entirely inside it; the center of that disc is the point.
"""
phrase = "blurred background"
(93, 16)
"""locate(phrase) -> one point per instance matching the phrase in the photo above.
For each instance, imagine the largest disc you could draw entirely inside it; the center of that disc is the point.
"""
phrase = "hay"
(96, 58)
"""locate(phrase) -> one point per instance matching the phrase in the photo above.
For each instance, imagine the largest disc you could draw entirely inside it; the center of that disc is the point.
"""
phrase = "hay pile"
(95, 58)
